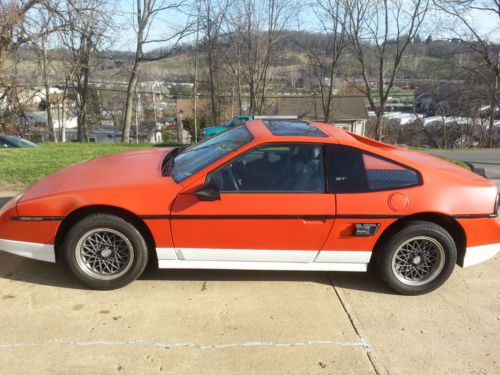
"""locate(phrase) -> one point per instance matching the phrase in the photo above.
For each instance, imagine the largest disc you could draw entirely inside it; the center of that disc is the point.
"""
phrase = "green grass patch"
(460, 163)
(454, 161)
(20, 167)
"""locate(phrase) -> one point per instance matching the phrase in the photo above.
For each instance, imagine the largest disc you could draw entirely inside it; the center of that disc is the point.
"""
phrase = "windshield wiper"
(168, 162)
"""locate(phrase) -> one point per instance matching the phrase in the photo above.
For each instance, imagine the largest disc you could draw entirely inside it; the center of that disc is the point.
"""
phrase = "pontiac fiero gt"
(267, 195)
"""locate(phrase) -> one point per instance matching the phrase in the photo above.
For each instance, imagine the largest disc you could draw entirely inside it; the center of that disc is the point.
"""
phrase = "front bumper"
(31, 250)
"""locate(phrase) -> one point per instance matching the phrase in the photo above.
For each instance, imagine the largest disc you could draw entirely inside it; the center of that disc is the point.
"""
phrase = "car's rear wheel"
(105, 251)
(417, 259)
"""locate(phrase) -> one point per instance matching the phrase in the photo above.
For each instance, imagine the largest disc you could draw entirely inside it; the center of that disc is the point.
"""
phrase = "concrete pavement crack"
(356, 325)
(161, 345)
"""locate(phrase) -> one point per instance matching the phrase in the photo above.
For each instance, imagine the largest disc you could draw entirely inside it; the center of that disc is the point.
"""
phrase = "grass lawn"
(23, 166)
(455, 161)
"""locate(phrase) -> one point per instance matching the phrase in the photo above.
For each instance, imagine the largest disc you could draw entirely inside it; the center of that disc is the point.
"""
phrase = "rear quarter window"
(351, 170)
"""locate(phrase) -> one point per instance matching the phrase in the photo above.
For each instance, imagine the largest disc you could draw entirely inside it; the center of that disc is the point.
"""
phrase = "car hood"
(127, 168)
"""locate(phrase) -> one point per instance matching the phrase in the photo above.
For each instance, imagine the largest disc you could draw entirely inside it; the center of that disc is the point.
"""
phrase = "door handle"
(315, 218)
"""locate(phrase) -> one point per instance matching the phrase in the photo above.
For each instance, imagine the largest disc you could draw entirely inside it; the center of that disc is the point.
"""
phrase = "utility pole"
(195, 85)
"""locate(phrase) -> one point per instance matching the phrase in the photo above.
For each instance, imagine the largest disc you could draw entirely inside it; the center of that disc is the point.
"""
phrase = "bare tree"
(146, 11)
(234, 60)
(259, 27)
(16, 22)
(41, 46)
(382, 30)
(468, 31)
(332, 17)
(89, 21)
(19, 26)
(212, 23)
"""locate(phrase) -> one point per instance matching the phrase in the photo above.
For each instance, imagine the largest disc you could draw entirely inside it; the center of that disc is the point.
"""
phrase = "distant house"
(346, 112)
(36, 124)
(36, 129)
(106, 132)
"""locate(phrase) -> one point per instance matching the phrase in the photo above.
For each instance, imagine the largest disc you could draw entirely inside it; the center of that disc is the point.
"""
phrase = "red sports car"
(268, 195)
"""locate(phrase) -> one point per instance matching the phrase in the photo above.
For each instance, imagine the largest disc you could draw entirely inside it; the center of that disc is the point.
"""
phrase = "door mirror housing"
(208, 192)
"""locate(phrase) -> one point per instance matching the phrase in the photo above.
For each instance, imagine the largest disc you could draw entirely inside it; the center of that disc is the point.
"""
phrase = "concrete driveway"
(226, 322)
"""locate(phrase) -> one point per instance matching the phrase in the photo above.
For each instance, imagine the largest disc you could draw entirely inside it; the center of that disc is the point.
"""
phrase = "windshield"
(20, 142)
(198, 156)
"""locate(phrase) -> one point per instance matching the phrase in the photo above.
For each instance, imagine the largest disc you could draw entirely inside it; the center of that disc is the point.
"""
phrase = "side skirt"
(252, 259)
(263, 266)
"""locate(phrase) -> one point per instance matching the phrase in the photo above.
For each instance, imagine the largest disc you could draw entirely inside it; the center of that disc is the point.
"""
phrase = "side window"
(278, 168)
(354, 171)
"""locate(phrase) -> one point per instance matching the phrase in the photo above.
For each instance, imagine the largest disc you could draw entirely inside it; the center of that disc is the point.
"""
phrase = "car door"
(273, 207)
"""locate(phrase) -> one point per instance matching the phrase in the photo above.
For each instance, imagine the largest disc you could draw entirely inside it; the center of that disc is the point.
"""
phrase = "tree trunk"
(62, 124)
(50, 121)
(490, 140)
(48, 108)
(213, 89)
(328, 107)
(179, 129)
(380, 121)
(132, 83)
(83, 132)
(129, 104)
(238, 80)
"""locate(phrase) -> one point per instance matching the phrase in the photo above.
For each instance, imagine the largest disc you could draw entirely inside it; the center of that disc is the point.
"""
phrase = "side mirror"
(208, 192)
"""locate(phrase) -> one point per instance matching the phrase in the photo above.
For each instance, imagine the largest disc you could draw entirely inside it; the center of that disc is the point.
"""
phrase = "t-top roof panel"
(294, 128)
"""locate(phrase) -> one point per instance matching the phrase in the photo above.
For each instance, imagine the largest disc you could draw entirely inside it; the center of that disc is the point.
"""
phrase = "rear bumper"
(31, 250)
(478, 254)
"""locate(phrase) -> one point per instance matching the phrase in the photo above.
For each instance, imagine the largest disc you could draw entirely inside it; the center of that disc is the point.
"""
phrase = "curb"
(8, 194)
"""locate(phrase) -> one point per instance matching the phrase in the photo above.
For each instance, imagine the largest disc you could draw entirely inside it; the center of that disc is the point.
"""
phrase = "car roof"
(302, 131)
(265, 131)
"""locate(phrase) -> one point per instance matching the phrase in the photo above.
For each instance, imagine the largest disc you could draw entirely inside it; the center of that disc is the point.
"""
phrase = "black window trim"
(332, 189)
(270, 144)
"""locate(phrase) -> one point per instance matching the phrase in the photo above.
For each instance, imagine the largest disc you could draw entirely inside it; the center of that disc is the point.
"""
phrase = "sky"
(439, 25)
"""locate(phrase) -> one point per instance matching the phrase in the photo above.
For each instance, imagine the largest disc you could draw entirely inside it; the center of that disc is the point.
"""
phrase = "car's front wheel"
(417, 259)
(105, 251)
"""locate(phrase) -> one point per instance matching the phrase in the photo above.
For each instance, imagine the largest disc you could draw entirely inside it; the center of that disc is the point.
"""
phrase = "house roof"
(349, 108)
(343, 108)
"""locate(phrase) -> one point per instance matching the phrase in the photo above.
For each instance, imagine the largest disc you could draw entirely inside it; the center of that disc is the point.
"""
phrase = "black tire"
(128, 242)
(402, 277)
